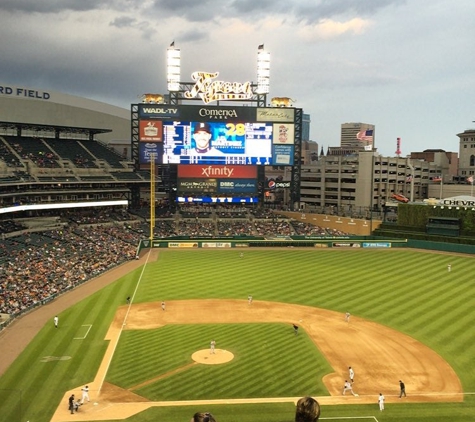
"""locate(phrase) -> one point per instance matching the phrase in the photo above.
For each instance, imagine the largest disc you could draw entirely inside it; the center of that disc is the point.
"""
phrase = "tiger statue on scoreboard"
(282, 102)
(152, 98)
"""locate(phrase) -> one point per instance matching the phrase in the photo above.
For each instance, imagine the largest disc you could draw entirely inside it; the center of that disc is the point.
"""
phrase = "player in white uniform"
(347, 317)
(348, 387)
(381, 402)
(212, 347)
(85, 394)
(352, 374)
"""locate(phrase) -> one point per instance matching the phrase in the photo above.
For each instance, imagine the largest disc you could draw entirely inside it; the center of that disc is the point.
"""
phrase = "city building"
(466, 165)
(354, 184)
(359, 136)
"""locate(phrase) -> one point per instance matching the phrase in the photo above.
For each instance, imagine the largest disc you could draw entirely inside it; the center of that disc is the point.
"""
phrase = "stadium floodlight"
(263, 70)
(173, 67)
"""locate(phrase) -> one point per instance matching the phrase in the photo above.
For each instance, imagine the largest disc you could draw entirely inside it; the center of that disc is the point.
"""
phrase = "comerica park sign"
(210, 90)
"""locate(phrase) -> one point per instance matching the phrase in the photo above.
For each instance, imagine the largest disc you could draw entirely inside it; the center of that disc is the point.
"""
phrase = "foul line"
(123, 323)
(352, 417)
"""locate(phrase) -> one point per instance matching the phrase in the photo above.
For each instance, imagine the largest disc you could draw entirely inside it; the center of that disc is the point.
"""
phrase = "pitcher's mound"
(220, 356)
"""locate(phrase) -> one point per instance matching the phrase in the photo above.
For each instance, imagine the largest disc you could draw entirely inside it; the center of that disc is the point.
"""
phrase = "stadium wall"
(33, 106)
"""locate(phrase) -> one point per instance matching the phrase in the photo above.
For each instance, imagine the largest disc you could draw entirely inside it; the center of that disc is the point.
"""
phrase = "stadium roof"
(52, 128)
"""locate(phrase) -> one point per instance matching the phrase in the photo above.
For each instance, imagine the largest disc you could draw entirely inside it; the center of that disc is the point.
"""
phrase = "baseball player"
(163, 306)
(348, 387)
(347, 317)
(56, 321)
(352, 374)
(85, 394)
(249, 299)
(381, 402)
(449, 268)
(212, 346)
(296, 328)
(402, 388)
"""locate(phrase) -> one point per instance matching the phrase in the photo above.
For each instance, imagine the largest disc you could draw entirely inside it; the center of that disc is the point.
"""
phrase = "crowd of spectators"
(36, 151)
(37, 266)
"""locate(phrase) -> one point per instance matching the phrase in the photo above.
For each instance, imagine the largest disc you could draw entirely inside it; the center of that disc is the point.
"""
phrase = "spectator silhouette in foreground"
(307, 410)
(203, 417)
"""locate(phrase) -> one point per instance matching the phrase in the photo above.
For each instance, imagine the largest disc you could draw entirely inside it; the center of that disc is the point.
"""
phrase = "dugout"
(445, 226)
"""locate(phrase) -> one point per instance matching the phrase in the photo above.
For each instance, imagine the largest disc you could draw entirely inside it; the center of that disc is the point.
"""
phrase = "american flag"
(365, 135)
(437, 179)
(470, 179)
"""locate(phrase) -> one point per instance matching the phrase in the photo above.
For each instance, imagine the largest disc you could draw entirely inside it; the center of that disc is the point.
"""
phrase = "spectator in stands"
(307, 410)
(203, 417)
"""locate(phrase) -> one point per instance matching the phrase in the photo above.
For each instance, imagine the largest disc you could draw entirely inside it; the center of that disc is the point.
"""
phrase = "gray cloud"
(57, 6)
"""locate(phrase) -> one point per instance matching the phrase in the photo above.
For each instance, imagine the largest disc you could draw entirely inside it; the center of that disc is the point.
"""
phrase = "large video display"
(217, 143)
(207, 135)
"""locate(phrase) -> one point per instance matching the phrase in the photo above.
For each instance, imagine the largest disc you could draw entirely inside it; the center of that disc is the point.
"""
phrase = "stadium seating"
(72, 150)
(34, 149)
(102, 152)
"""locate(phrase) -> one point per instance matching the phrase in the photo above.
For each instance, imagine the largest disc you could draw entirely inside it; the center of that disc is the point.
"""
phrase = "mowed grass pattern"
(410, 291)
(270, 361)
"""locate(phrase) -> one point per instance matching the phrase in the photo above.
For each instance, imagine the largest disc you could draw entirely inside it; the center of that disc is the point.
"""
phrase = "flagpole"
(441, 187)
(471, 189)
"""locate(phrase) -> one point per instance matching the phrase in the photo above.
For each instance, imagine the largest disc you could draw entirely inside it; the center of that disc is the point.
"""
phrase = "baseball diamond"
(380, 354)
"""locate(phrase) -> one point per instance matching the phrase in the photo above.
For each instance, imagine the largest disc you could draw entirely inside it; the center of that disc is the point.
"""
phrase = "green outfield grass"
(410, 291)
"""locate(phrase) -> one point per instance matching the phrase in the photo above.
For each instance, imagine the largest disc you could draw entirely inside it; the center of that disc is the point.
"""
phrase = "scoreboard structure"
(216, 153)
(168, 135)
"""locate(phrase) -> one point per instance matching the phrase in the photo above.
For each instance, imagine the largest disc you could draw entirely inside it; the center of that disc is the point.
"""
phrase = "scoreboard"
(233, 135)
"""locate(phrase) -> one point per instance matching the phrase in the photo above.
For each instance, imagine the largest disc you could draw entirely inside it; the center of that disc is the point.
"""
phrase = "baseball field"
(411, 319)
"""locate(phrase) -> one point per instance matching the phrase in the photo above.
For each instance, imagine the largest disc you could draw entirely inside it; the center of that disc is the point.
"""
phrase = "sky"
(406, 66)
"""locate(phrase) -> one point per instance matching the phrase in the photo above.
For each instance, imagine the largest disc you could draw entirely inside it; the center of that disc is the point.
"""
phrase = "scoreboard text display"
(207, 135)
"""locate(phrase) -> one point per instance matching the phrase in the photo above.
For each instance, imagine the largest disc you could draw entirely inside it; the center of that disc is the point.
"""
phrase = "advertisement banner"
(376, 245)
(237, 186)
(282, 185)
(219, 172)
(197, 185)
(275, 115)
(158, 111)
(146, 149)
(182, 245)
(150, 130)
(219, 200)
(283, 133)
(197, 113)
(282, 155)
(346, 245)
(215, 245)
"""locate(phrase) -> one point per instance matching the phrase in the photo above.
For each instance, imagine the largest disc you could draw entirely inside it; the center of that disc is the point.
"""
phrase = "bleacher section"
(34, 149)
(72, 149)
(8, 156)
(102, 152)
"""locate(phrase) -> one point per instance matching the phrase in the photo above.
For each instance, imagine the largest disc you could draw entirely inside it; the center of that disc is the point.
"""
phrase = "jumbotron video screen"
(218, 135)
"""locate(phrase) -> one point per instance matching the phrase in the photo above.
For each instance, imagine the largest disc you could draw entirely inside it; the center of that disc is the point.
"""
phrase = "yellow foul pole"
(152, 195)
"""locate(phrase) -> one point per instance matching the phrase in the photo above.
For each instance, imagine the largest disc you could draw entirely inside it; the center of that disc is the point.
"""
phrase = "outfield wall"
(241, 242)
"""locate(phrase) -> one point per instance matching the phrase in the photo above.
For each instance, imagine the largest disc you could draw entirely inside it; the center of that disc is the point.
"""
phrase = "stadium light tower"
(173, 67)
(263, 70)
